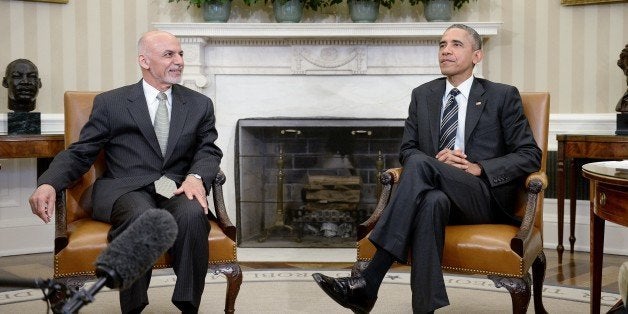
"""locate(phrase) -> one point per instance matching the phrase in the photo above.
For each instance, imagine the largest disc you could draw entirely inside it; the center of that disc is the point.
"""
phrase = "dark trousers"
(430, 195)
(189, 252)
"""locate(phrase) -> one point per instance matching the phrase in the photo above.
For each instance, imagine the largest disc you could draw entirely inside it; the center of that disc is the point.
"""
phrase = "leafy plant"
(198, 3)
(308, 4)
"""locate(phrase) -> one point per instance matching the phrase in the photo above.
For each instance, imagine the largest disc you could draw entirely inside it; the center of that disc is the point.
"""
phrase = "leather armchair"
(503, 252)
(79, 239)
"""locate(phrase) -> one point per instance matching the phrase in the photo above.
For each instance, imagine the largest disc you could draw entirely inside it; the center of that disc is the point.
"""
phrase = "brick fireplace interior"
(309, 182)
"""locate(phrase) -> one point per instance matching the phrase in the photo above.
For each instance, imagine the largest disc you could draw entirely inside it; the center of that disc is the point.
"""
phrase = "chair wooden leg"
(519, 289)
(538, 277)
(233, 273)
(358, 268)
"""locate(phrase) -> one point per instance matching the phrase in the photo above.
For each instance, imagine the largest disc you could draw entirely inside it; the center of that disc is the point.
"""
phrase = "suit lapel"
(138, 109)
(434, 105)
(178, 116)
(475, 107)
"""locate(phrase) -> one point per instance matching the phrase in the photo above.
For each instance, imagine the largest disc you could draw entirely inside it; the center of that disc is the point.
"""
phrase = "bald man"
(154, 131)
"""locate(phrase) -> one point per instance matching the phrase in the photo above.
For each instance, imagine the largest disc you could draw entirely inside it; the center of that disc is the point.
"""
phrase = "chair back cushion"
(77, 108)
(536, 109)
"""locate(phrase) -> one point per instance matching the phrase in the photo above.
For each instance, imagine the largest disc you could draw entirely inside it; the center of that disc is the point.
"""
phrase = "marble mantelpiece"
(353, 70)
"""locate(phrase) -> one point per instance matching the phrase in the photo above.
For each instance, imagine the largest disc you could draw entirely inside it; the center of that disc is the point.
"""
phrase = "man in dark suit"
(168, 165)
(466, 146)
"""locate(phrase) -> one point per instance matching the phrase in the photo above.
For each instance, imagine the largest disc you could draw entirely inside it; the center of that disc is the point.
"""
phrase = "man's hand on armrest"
(42, 202)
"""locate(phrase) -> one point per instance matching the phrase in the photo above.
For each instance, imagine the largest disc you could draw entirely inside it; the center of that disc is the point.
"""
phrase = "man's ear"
(143, 62)
(39, 83)
(4, 82)
(477, 56)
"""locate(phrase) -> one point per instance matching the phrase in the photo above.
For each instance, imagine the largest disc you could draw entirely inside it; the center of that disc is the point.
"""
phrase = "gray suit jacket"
(497, 134)
(121, 126)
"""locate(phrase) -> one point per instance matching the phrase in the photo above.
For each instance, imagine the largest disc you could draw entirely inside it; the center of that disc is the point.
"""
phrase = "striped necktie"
(449, 123)
(162, 123)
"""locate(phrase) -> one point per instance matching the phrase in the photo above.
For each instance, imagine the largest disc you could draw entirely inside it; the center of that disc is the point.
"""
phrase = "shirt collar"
(464, 87)
(151, 93)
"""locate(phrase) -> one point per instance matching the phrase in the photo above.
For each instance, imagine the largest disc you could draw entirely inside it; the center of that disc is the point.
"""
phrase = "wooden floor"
(574, 272)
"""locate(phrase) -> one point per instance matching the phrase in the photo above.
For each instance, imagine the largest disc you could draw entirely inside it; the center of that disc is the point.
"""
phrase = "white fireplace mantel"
(352, 70)
(320, 30)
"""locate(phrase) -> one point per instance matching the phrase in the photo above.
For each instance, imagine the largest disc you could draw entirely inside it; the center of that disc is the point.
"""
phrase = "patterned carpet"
(293, 291)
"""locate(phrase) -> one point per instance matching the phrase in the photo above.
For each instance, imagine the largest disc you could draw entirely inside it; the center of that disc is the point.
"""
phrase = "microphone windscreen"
(137, 248)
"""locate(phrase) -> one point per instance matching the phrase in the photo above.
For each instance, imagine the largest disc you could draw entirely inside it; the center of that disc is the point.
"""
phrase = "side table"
(42, 147)
(579, 146)
(609, 201)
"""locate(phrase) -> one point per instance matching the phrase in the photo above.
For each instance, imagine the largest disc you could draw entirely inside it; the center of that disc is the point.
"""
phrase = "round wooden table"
(609, 201)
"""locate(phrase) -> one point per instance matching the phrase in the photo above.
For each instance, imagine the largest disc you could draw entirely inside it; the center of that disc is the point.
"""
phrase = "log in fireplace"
(308, 182)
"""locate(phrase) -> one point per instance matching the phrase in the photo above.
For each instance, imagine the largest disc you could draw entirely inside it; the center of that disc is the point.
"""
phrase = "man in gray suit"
(466, 147)
(178, 151)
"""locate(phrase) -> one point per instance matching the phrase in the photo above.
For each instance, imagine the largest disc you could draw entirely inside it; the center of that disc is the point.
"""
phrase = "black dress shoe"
(349, 292)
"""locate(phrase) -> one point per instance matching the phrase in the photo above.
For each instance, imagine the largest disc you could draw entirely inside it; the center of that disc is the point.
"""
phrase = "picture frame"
(50, 1)
(580, 2)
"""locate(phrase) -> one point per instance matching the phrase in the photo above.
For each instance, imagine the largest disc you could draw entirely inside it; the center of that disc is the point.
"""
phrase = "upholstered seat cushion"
(88, 238)
(479, 249)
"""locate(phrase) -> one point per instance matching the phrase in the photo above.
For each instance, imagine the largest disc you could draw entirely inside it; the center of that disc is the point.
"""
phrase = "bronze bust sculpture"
(23, 83)
(622, 104)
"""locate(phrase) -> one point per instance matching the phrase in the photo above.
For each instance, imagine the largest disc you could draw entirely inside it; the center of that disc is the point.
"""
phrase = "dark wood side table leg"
(595, 257)
(560, 195)
(572, 202)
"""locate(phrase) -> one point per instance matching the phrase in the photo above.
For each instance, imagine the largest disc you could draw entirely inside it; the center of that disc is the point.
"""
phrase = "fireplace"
(307, 182)
(303, 71)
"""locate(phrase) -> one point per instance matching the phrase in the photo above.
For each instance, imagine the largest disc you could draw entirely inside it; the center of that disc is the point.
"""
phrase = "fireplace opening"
(309, 182)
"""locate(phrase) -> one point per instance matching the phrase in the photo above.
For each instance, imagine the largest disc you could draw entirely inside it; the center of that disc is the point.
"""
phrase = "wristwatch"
(195, 175)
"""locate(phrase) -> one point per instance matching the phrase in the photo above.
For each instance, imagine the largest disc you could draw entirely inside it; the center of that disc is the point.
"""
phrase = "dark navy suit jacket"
(121, 126)
(497, 134)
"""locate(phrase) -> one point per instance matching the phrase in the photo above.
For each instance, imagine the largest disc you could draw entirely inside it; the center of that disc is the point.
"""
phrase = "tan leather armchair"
(79, 239)
(503, 252)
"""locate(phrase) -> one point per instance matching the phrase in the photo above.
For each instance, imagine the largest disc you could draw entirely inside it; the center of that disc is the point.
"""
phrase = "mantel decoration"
(23, 83)
(214, 11)
(439, 10)
(622, 104)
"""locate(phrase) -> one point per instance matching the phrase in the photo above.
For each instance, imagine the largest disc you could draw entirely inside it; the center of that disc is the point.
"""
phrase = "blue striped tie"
(449, 124)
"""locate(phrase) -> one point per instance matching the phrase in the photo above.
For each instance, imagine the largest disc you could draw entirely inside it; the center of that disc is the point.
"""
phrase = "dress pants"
(430, 195)
(189, 251)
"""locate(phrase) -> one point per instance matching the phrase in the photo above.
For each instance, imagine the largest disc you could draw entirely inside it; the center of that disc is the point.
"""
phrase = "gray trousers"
(430, 195)
(189, 252)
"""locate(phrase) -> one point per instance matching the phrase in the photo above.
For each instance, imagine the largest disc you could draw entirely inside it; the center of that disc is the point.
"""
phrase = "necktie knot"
(454, 92)
(162, 96)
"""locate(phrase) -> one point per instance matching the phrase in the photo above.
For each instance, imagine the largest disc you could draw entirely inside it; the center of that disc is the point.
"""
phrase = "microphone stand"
(106, 277)
(55, 293)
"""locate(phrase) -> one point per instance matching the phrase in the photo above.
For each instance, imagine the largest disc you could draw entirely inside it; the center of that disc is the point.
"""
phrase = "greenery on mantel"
(198, 3)
(457, 3)
(317, 4)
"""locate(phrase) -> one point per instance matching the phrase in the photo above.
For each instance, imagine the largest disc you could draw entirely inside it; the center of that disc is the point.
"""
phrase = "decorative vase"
(288, 11)
(217, 11)
(438, 10)
(364, 11)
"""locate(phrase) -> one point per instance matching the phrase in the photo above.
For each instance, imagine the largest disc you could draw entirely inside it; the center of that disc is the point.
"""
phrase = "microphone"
(129, 255)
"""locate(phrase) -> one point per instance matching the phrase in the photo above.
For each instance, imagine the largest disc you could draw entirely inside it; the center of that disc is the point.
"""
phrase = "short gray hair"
(477, 40)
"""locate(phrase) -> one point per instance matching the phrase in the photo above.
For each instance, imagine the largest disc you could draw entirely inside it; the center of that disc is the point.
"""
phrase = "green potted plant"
(439, 10)
(366, 11)
(217, 11)
(291, 11)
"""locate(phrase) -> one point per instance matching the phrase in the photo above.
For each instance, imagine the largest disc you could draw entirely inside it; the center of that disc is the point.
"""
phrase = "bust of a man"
(22, 80)
(622, 104)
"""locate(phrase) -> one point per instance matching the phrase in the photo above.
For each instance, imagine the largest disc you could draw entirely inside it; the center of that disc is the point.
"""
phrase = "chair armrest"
(388, 180)
(535, 184)
(61, 231)
(219, 204)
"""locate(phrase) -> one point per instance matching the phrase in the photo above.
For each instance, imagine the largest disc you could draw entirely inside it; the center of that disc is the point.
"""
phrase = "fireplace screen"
(309, 182)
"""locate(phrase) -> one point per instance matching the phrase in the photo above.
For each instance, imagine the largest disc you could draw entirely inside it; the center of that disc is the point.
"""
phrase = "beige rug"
(294, 291)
